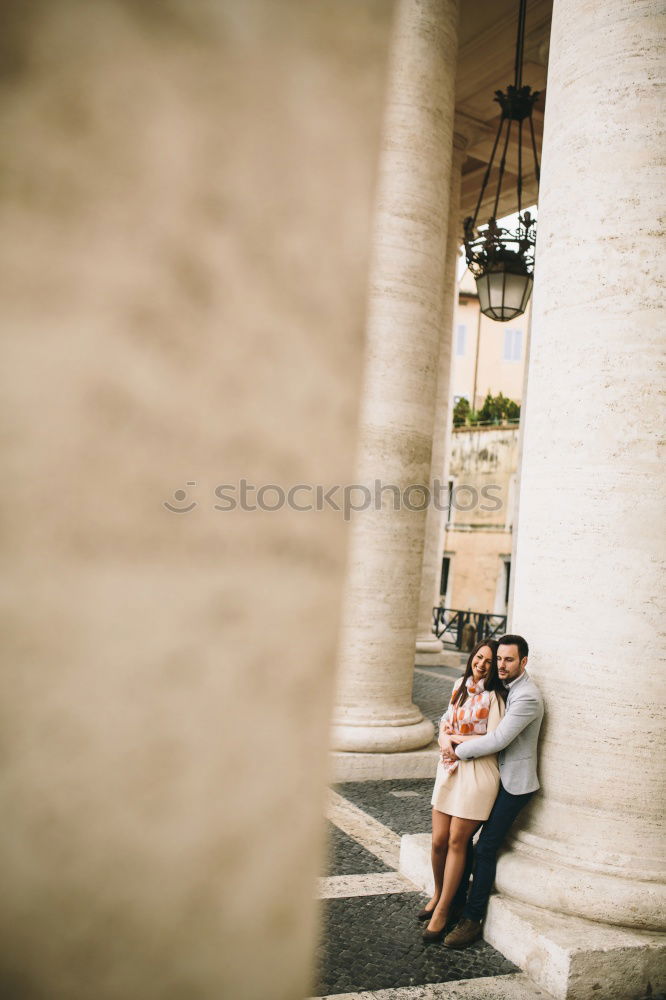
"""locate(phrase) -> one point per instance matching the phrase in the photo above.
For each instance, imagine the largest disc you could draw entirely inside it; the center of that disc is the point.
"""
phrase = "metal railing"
(506, 422)
(448, 625)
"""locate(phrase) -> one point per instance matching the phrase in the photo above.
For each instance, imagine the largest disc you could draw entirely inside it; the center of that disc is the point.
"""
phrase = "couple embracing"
(486, 775)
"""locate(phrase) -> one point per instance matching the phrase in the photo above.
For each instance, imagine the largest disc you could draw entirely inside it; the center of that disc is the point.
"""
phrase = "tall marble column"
(375, 671)
(426, 640)
(590, 553)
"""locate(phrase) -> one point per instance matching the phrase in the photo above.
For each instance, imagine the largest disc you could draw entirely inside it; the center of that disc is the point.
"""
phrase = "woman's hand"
(445, 728)
(444, 741)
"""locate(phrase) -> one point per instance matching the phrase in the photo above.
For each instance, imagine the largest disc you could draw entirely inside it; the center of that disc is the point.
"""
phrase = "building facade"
(487, 357)
(476, 562)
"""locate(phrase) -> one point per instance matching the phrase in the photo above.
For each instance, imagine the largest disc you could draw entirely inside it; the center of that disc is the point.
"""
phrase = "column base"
(576, 959)
(447, 658)
(429, 644)
(345, 766)
(531, 872)
(382, 736)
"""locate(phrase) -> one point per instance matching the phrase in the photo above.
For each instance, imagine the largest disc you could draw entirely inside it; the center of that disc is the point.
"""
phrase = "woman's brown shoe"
(429, 937)
(424, 914)
(466, 933)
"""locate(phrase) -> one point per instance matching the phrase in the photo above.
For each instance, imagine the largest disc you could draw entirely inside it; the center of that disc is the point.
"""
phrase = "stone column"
(589, 546)
(374, 706)
(426, 640)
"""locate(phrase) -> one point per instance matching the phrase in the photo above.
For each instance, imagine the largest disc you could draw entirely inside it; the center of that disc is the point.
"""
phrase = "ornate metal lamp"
(501, 260)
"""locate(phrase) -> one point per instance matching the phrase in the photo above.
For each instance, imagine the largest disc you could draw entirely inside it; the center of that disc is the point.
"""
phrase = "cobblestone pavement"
(370, 938)
(348, 857)
(374, 942)
(432, 690)
(403, 805)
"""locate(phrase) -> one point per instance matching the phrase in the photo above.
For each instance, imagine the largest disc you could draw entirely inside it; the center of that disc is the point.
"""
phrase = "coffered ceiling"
(486, 64)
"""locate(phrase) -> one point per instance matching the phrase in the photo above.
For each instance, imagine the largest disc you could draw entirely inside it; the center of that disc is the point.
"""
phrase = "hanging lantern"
(502, 260)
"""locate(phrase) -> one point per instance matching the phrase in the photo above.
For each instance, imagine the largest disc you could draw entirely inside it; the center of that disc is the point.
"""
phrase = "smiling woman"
(463, 795)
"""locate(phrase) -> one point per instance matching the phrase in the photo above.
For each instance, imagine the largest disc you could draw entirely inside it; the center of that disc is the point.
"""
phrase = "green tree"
(498, 408)
(461, 412)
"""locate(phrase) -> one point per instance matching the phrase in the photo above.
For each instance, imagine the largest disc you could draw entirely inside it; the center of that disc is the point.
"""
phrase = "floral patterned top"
(471, 718)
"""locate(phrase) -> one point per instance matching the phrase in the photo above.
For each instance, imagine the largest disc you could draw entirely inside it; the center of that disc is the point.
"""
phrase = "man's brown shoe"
(466, 933)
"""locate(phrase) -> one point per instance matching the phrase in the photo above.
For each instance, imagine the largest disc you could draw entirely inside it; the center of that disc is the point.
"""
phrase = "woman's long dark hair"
(491, 683)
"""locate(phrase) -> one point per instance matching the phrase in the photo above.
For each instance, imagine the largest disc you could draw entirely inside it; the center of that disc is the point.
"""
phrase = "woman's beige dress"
(470, 791)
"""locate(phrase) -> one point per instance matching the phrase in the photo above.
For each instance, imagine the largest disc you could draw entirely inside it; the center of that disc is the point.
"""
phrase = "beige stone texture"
(374, 710)
(590, 557)
(346, 886)
(426, 641)
(577, 959)
(186, 203)
(348, 766)
(511, 987)
(415, 861)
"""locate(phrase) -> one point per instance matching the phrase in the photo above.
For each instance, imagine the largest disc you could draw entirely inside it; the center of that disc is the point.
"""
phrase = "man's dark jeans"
(484, 858)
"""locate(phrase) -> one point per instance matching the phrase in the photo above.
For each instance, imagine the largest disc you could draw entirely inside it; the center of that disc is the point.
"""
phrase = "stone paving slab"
(517, 986)
(410, 814)
(377, 838)
(512, 987)
(374, 943)
(343, 886)
(347, 857)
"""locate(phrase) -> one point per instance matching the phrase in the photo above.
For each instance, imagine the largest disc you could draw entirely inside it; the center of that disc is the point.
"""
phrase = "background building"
(487, 356)
(476, 564)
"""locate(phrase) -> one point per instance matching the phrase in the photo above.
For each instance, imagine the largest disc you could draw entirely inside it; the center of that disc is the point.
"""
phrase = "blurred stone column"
(186, 203)
(374, 705)
(589, 572)
(436, 517)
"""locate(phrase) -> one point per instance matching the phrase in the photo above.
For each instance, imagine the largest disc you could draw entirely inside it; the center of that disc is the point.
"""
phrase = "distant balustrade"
(465, 628)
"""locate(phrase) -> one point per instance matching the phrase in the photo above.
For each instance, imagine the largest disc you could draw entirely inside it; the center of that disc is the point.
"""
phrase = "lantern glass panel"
(503, 295)
(483, 292)
(514, 300)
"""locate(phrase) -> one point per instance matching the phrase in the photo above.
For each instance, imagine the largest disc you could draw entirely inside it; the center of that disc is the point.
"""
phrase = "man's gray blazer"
(515, 739)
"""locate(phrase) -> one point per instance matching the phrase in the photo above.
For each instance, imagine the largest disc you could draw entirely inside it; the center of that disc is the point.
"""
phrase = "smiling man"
(515, 739)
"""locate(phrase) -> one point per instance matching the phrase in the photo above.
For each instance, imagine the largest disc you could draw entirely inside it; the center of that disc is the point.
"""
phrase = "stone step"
(512, 987)
(570, 958)
(414, 860)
